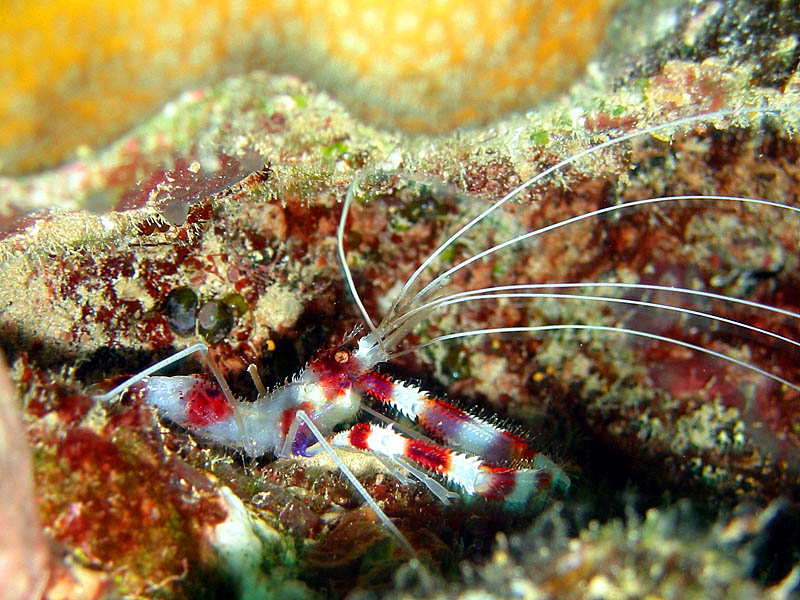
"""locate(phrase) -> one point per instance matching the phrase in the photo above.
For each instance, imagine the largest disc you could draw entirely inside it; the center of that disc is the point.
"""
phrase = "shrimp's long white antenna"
(470, 296)
(567, 161)
(302, 416)
(520, 238)
(636, 332)
(343, 259)
(607, 284)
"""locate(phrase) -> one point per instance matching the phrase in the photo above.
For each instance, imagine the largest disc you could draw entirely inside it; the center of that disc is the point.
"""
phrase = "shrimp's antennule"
(407, 313)
(608, 329)
(403, 323)
(441, 278)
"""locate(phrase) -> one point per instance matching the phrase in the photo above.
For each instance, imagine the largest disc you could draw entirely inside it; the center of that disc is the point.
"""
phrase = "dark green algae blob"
(236, 303)
(214, 321)
(180, 310)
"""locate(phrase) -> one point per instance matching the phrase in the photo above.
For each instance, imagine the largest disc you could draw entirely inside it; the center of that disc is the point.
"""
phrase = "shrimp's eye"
(341, 356)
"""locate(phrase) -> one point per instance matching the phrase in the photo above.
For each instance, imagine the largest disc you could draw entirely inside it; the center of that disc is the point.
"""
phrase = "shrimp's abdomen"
(193, 402)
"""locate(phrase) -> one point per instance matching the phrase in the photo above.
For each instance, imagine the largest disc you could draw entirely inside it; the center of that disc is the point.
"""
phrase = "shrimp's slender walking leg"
(286, 448)
(252, 370)
(302, 416)
(434, 487)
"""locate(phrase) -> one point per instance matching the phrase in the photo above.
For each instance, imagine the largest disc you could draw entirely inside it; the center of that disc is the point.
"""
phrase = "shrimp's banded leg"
(514, 486)
(453, 426)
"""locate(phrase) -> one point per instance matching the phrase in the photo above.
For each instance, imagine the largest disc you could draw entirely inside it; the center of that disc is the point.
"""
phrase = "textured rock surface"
(664, 555)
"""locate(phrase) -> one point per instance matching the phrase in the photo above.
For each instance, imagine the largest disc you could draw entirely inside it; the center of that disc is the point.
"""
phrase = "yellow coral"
(82, 71)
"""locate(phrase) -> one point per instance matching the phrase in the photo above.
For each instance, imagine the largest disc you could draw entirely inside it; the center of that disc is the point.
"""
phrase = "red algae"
(118, 504)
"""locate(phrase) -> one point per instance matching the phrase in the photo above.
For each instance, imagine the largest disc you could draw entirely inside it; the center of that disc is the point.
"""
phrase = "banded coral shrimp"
(341, 369)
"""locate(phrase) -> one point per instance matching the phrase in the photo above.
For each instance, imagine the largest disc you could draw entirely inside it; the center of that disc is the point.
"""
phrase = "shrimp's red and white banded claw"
(299, 417)
(483, 447)
(515, 486)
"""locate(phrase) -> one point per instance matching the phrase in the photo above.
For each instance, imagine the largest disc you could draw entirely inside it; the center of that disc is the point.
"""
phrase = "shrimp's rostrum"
(470, 452)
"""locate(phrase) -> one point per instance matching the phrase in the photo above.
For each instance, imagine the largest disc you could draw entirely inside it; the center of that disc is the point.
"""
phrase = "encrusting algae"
(81, 72)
